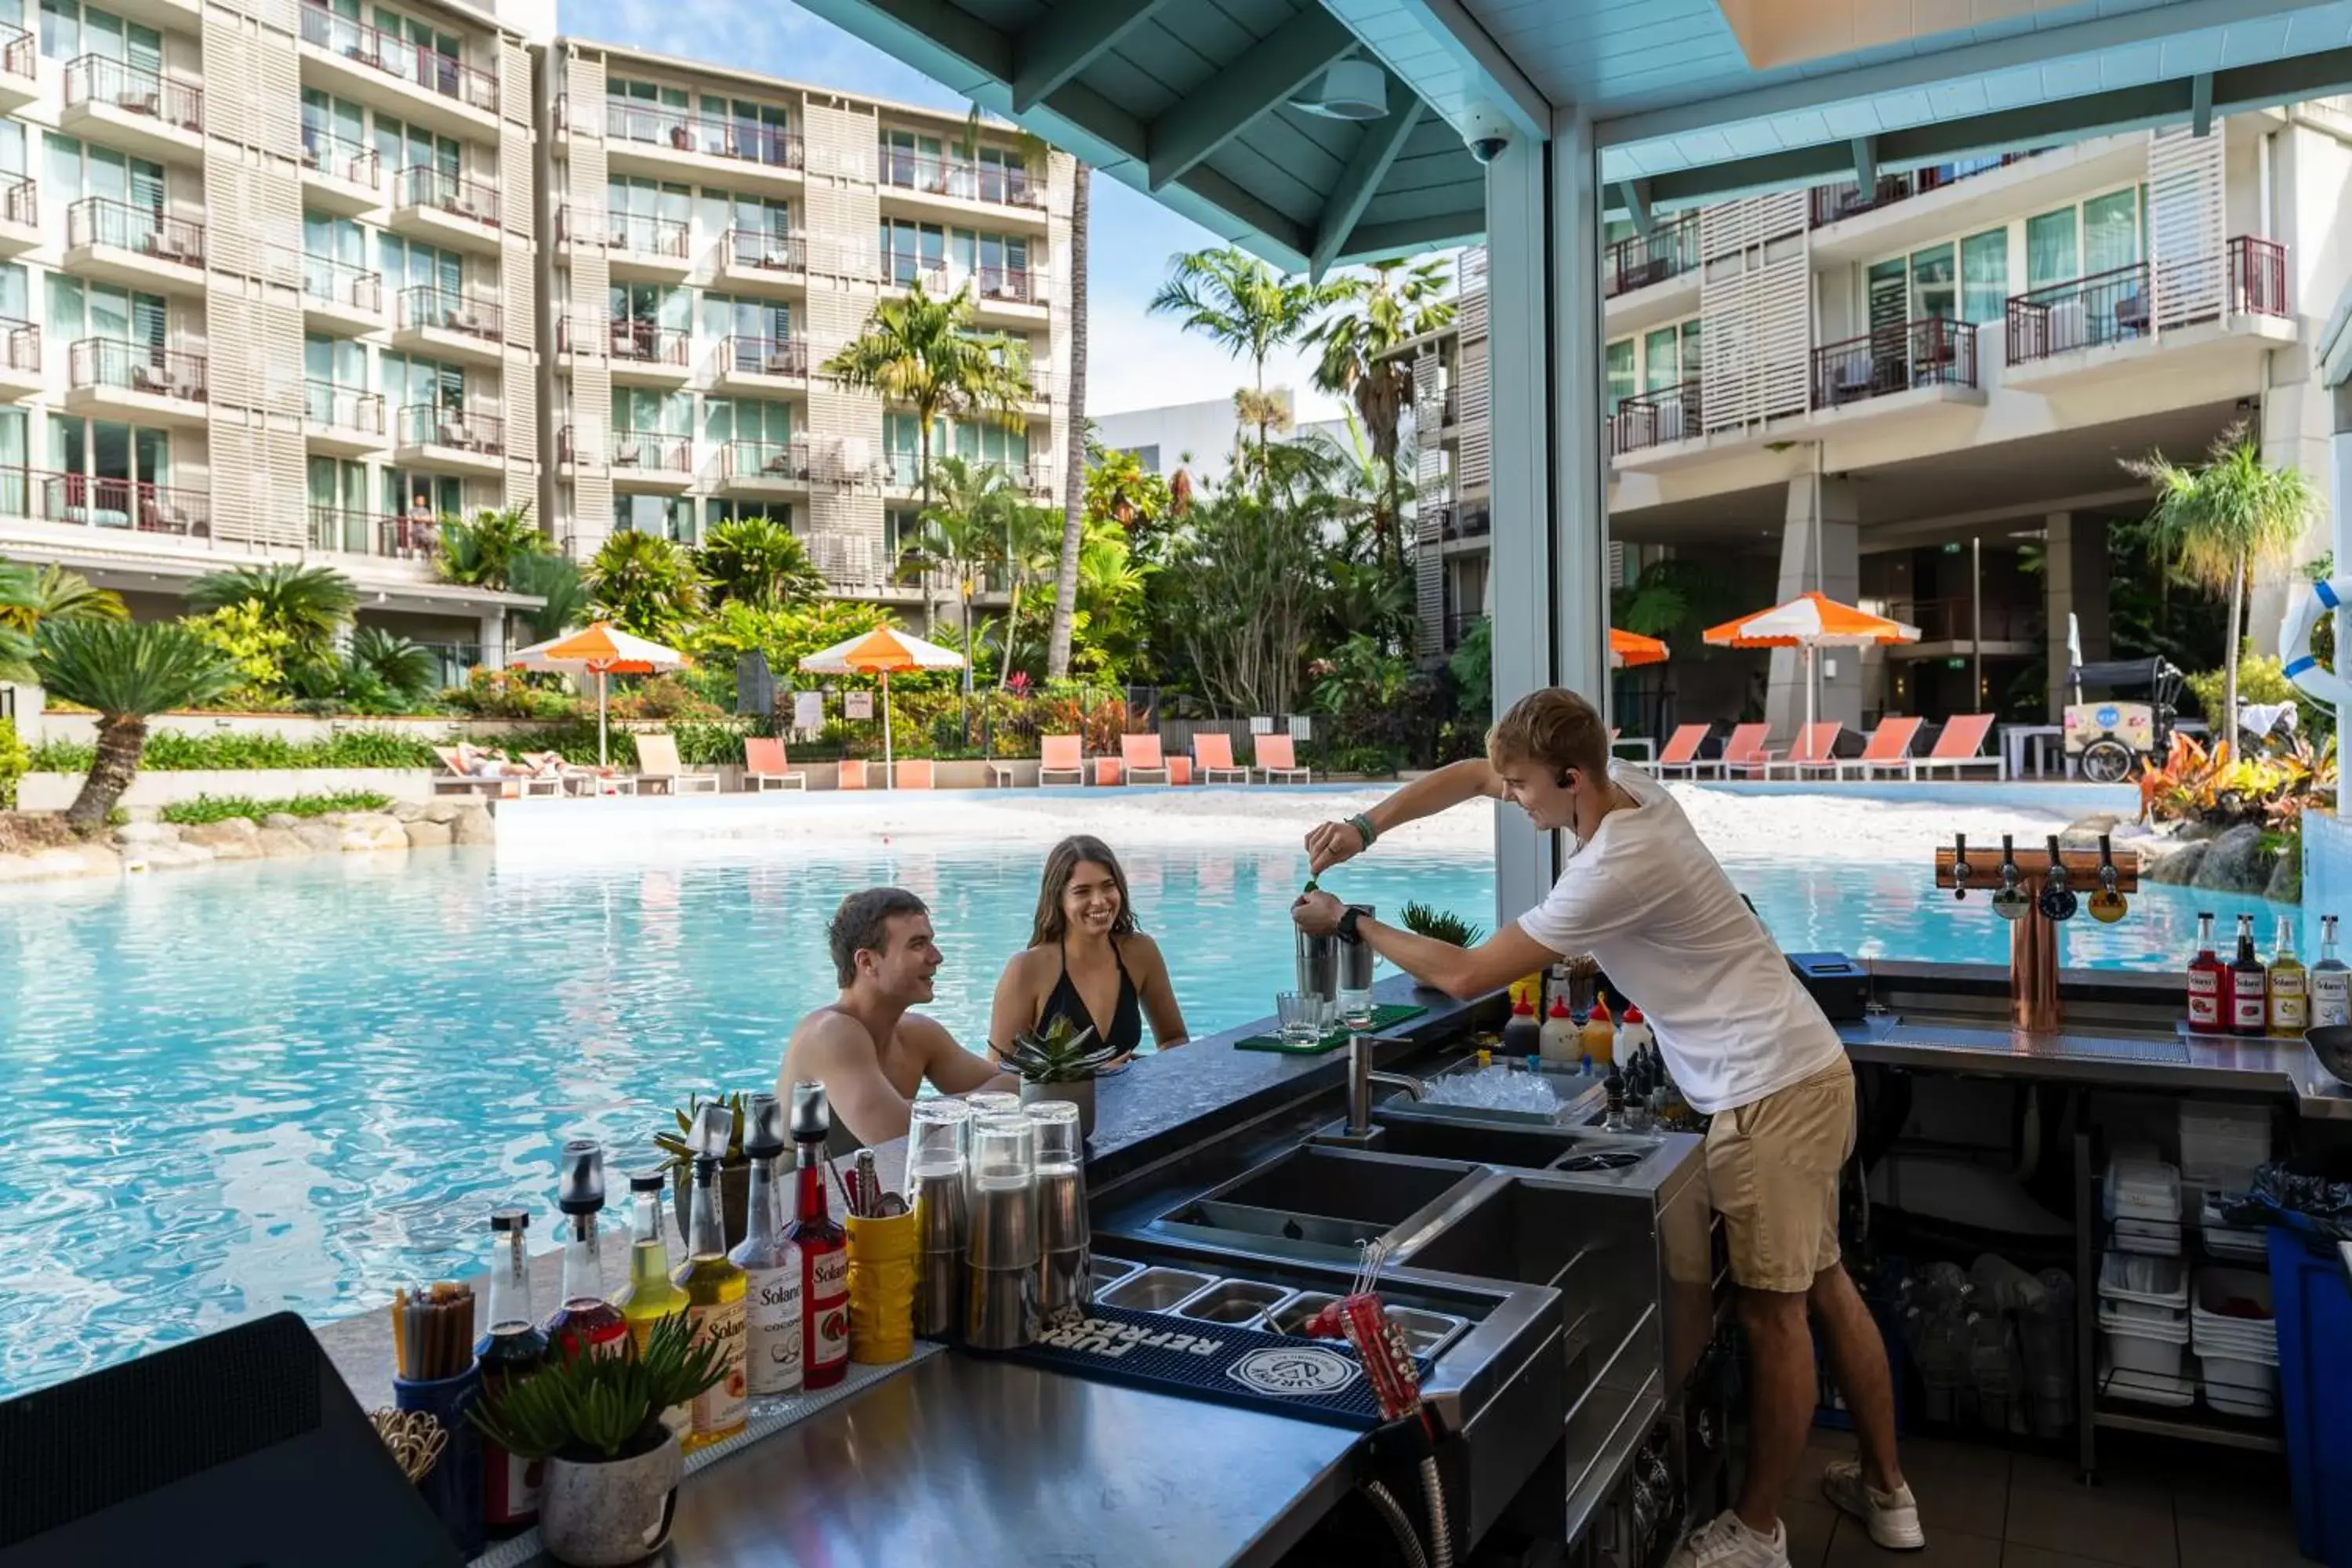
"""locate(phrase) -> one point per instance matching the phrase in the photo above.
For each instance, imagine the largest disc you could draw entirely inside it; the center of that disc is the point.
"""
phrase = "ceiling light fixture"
(1352, 89)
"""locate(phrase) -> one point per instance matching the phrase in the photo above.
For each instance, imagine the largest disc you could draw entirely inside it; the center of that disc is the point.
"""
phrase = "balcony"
(1013, 293)
(644, 354)
(755, 259)
(1835, 204)
(116, 378)
(1907, 364)
(2205, 315)
(445, 208)
(134, 504)
(756, 364)
(650, 139)
(954, 180)
(411, 536)
(137, 248)
(20, 82)
(20, 215)
(645, 249)
(1649, 419)
(351, 532)
(419, 83)
(1952, 625)
(340, 299)
(764, 467)
(458, 440)
(1643, 260)
(134, 109)
(340, 177)
(449, 324)
(342, 421)
(644, 460)
(20, 359)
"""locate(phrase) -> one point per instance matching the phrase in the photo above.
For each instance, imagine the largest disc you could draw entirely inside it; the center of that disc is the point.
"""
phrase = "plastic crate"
(2315, 1341)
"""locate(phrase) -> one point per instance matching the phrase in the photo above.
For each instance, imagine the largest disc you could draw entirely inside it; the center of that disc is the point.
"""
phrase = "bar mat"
(1386, 1015)
(768, 1416)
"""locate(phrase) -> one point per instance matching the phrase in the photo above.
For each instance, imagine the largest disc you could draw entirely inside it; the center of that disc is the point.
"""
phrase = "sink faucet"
(1361, 1078)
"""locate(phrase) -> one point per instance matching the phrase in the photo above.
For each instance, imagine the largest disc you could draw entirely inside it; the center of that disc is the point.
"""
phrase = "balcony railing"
(902, 470)
(20, 53)
(2113, 307)
(1466, 522)
(97, 220)
(1010, 285)
(134, 504)
(2256, 277)
(1835, 203)
(1459, 624)
(448, 311)
(1895, 358)
(650, 451)
(331, 156)
(136, 367)
(135, 90)
(20, 345)
(331, 407)
(334, 282)
(416, 64)
(407, 536)
(422, 186)
(643, 342)
(764, 356)
(459, 429)
(1654, 418)
(767, 460)
(642, 234)
(1956, 619)
(1641, 259)
(770, 252)
(20, 200)
(971, 182)
(626, 120)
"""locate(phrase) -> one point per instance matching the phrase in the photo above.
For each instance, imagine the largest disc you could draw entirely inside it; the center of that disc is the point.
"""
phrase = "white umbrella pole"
(602, 759)
(889, 779)
(1810, 672)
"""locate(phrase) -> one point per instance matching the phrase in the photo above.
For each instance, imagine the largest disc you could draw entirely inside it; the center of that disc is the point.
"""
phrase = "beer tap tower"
(2033, 889)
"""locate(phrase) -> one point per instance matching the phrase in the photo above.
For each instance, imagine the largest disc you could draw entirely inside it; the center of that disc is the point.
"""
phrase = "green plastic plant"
(1443, 925)
(1057, 1053)
(596, 1408)
(681, 1152)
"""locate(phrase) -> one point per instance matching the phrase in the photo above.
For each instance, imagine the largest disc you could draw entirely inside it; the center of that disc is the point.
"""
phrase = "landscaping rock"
(406, 811)
(319, 836)
(473, 827)
(2234, 862)
(428, 834)
(232, 838)
(53, 864)
(2082, 833)
(2178, 864)
(445, 810)
(281, 843)
(369, 830)
(139, 834)
(2286, 881)
(281, 819)
(166, 857)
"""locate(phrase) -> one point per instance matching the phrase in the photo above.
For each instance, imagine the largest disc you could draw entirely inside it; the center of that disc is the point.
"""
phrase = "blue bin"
(2314, 1308)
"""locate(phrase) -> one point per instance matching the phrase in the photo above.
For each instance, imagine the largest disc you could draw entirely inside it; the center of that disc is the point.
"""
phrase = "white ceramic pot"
(1079, 1092)
(607, 1515)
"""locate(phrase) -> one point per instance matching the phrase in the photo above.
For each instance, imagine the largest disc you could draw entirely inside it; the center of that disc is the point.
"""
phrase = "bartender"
(1746, 1043)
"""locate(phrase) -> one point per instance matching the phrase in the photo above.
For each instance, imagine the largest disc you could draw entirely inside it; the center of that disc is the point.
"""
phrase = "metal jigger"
(580, 1184)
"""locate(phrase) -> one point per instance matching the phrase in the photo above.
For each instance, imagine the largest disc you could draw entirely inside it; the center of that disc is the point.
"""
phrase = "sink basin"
(1514, 1147)
(1343, 1184)
(1521, 1231)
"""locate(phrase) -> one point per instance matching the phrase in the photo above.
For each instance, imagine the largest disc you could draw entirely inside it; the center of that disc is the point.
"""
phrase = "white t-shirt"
(1647, 900)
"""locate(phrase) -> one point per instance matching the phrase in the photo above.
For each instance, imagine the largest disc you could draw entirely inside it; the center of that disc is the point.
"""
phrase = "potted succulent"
(1443, 925)
(734, 1170)
(612, 1467)
(1060, 1063)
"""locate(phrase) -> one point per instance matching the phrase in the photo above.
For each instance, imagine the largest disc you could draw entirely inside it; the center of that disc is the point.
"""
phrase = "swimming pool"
(298, 1084)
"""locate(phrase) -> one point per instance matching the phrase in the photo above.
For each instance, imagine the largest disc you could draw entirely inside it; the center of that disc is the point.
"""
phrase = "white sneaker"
(1726, 1543)
(1893, 1517)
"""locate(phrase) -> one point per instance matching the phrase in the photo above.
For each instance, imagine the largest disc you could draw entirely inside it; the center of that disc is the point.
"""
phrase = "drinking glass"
(992, 1102)
(1300, 1016)
(1356, 963)
(1055, 1122)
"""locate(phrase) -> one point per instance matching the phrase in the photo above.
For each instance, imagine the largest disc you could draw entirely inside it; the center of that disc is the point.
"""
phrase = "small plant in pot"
(1443, 925)
(734, 1170)
(1059, 1062)
(613, 1468)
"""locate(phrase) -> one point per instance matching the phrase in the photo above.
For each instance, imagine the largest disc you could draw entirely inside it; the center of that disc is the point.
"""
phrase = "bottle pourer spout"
(580, 1184)
(764, 1127)
(812, 1113)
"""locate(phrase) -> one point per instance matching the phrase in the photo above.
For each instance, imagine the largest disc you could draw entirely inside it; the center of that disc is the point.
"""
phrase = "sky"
(1136, 361)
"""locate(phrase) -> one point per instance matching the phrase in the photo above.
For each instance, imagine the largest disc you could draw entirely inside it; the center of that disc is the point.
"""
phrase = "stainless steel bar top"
(2124, 1058)
(966, 1461)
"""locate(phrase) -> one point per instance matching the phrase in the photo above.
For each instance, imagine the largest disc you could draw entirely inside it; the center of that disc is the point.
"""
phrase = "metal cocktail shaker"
(1064, 1237)
(936, 1138)
(1001, 1297)
(1319, 968)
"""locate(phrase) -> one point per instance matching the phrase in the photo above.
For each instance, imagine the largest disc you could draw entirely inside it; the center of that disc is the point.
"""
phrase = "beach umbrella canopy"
(1810, 621)
(1627, 650)
(885, 651)
(603, 650)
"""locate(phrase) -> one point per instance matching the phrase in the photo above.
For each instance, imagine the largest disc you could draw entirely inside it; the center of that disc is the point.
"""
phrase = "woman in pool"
(1085, 961)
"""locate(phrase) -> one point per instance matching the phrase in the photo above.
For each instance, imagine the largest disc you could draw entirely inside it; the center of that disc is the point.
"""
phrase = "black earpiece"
(1560, 778)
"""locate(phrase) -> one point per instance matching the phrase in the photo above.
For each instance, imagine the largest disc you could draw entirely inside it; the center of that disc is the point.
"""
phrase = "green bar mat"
(1386, 1015)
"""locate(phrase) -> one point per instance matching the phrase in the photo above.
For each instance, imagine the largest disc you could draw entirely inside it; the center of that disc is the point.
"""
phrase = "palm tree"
(1074, 473)
(561, 591)
(924, 353)
(1233, 299)
(405, 669)
(760, 560)
(1031, 534)
(308, 603)
(963, 530)
(485, 551)
(30, 596)
(2222, 521)
(128, 671)
(1400, 301)
(646, 583)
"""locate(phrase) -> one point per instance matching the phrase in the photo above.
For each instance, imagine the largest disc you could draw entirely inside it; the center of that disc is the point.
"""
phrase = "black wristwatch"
(1348, 919)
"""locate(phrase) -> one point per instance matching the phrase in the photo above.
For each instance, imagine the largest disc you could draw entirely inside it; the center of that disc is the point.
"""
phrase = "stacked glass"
(1000, 1299)
(937, 1145)
(1065, 1268)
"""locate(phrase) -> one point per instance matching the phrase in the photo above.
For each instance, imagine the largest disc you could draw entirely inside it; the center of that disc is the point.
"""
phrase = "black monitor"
(243, 1449)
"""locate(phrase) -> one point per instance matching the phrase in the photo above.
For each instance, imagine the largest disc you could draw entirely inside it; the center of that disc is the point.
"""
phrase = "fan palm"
(1398, 302)
(561, 591)
(1233, 298)
(760, 560)
(923, 354)
(646, 584)
(1032, 535)
(30, 596)
(128, 671)
(2221, 521)
(405, 669)
(485, 551)
(309, 603)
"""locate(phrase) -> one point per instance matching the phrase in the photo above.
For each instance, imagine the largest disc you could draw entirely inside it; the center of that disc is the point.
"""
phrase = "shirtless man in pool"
(869, 1052)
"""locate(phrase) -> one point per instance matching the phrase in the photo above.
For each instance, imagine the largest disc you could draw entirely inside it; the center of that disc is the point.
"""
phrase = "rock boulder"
(425, 835)
(369, 830)
(139, 834)
(405, 811)
(444, 809)
(2234, 862)
(281, 819)
(473, 827)
(232, 839)
(282, 844)
(319, 836)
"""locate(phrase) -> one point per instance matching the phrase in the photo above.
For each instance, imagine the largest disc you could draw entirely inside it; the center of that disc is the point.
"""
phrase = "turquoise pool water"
(298, 1085)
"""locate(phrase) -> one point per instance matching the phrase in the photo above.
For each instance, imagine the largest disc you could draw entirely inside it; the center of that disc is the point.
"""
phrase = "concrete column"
(493, 639)
(2339, 476)
(1821, 548)
(2074, 579)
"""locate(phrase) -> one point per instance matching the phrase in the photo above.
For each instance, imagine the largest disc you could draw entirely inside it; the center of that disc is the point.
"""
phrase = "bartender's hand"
(1332, 843)
(1318, 914)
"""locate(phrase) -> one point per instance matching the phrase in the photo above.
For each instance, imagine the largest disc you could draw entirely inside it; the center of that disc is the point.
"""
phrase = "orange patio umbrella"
(1810, 621)
(1628, 649)
(602, 650)
(885, 651)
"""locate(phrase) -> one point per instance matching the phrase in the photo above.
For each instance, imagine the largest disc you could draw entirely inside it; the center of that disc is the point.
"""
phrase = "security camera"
(1486, 132)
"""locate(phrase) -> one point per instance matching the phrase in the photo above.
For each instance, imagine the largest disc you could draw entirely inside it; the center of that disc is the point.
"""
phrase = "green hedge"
(221, 807)
(169, 752)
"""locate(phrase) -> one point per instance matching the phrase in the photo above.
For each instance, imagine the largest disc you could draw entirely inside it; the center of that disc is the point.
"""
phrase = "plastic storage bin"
(2313, 1307)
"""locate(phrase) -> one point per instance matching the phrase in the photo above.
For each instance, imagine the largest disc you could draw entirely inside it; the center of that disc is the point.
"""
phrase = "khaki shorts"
(1772, 1172)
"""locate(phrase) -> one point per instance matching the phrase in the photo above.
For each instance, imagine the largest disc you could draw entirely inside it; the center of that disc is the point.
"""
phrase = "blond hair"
(1555, 728)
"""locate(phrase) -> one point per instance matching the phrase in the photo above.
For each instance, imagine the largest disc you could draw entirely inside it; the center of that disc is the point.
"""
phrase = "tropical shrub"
(2195, 784)
(647, 585)
(127, 671)
(654, 697)
(511, 694)
(254, 647)
(307, 605)
(221, 807)
(759, 561)
(485, 550)
(563, 590)
(15, 761)
(171, 752)
(2262, 677)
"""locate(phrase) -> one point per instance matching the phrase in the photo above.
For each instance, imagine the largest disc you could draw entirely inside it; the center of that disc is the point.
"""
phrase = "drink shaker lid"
(651, 1181)
(714, 1130)
(764, 1127)
(503, 1220)
(580, 1187)
(812, 1113)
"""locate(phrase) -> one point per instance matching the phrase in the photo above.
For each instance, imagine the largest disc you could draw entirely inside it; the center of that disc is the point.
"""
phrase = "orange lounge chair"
(1745, 751)
(763, 765)
(1680, 754)
(1059, 755)
(851, 774)
(1956, 747)
(1212, 753)
(1889, 748)
(1107, 770)
(507, 783)
(1141, 755)
(1815, 751)
(912, 772)
(1273, 754)
(657, 763)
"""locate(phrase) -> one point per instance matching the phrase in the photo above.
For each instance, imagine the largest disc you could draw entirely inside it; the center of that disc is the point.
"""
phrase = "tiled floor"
(2155, 1506)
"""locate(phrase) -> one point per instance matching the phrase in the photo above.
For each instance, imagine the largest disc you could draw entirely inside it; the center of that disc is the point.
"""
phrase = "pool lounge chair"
(657, 763)
(1889, 748)
(1212, 753)
(1139, 754)
(1680, 754)
(1815, 751)
(911, 773)
(577, 778)
(1060, 756)
(464, 761)
(1273, 754)
(764, 768)
(1956, 747)
(1745, 751)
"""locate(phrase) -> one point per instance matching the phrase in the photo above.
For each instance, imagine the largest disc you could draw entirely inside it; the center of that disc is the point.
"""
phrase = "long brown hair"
(1062, 863)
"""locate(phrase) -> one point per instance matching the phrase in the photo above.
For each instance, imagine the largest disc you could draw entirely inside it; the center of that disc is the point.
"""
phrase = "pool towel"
(1386, 1015)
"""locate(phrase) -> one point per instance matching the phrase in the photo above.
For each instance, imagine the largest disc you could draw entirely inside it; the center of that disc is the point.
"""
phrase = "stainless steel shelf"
(2211, 1429)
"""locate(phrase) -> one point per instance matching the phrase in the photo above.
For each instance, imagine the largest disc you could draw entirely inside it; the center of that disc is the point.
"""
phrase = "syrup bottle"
(585, 1323)
(2207, 983)
(2249, 985)
(1523, 1035)
(824, 1249)
(2290, 986)
(2331, 979)
(1601, 1033)
(514, 1350)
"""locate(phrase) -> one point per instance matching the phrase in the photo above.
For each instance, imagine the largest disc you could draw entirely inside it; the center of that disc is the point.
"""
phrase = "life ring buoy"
(2295, 645)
